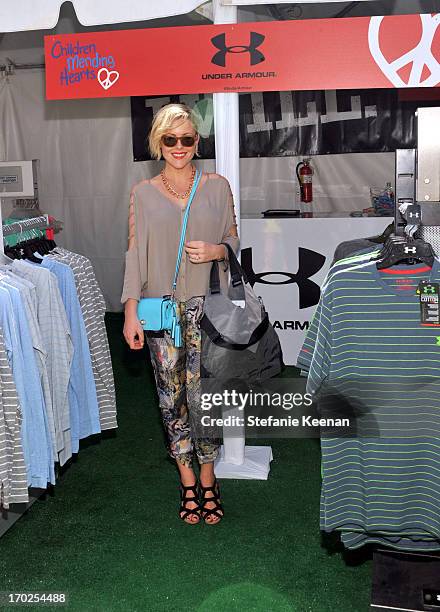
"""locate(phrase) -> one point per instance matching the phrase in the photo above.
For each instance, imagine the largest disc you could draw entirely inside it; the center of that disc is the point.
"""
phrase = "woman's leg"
(206, 449)
(169, 371)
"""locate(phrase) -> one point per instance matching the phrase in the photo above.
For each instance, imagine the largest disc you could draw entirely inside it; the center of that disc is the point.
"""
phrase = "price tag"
(429, 303)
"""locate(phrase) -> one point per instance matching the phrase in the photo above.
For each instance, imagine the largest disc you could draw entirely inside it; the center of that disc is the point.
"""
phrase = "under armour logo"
(416, 215)
(310, 263)
(429, 289)
(256, 57)
(410, 250)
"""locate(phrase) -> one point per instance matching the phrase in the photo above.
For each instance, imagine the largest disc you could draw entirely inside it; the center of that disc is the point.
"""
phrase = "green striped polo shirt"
(306, 353)
(373, 354)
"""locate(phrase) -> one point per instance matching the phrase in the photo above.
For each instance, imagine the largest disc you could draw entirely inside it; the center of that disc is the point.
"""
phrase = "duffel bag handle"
(238, 275)
(214, 278)
(218, 339)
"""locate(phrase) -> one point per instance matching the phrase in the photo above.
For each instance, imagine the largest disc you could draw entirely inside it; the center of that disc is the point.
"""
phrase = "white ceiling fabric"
(18, 15)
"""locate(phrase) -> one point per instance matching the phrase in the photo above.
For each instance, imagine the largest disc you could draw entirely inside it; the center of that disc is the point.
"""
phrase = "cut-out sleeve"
(132, 278)
(230, 235)
(131, 223)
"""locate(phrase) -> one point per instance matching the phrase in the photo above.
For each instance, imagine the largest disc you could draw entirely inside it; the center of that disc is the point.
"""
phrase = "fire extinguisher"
(304, 172)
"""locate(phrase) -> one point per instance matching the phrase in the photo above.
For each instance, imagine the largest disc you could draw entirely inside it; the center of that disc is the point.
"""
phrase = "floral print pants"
(177, 374)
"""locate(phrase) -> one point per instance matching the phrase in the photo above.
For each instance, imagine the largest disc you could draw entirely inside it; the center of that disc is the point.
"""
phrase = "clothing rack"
(8, 518)
(41, 223)
(11, 516)
(401, 579)
(14, 513)
(24, 225)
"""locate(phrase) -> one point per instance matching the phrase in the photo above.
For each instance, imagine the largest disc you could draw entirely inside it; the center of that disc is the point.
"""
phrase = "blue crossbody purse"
(160, 314)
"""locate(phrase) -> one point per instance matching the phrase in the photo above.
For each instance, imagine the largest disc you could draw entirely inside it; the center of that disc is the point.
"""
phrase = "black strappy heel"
(217, 510)
(185, 512)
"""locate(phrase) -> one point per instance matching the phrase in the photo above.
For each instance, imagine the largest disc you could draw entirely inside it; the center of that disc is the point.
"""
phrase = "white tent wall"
(84, 176)
(86, 168)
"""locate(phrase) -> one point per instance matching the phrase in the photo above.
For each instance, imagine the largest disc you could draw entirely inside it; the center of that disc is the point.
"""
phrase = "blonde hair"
(162, 122)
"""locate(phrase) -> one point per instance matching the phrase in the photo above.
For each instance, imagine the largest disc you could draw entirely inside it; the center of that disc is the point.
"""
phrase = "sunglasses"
(171, 141)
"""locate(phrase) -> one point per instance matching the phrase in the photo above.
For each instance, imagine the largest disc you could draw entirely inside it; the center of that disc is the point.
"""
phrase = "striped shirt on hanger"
(93, 308)
(373, 354)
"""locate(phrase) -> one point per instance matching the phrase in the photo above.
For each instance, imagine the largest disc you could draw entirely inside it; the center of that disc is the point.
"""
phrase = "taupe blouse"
(151, 261)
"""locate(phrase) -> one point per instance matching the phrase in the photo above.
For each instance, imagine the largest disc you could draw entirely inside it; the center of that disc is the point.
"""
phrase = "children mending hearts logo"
(107, 78)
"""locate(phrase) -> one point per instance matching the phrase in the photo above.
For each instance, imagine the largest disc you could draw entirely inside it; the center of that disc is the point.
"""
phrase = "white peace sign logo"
(107, 78)
(420, 56)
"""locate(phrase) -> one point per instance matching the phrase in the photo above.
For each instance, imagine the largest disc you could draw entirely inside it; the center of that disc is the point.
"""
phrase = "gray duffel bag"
(237, 343)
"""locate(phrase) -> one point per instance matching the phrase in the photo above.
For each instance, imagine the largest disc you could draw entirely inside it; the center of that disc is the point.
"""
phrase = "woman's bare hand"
(203, 252)
(133, 330)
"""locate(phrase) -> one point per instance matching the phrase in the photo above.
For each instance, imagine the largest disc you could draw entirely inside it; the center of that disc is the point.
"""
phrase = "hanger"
(399, 249)
(406, 248)
(22, 250)
(387, 232)
(28, 241)
(29, 248)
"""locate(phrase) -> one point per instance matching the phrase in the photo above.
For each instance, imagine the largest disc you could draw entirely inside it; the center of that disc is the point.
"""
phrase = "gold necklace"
(168, 187)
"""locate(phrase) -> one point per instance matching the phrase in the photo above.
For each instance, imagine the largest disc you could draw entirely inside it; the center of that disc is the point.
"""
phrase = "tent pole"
(236, 460)
(226, 121)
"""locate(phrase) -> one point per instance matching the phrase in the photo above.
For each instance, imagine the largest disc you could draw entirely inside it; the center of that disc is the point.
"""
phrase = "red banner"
(355, 53)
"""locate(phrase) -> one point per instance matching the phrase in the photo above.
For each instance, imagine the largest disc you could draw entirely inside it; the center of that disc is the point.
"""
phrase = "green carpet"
(109, 535)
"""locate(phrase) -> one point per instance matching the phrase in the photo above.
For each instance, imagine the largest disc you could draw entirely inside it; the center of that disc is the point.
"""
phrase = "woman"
(156, 212)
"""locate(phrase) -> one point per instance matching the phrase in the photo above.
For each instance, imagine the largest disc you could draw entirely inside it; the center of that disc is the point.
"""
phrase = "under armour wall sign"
(355, 53)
